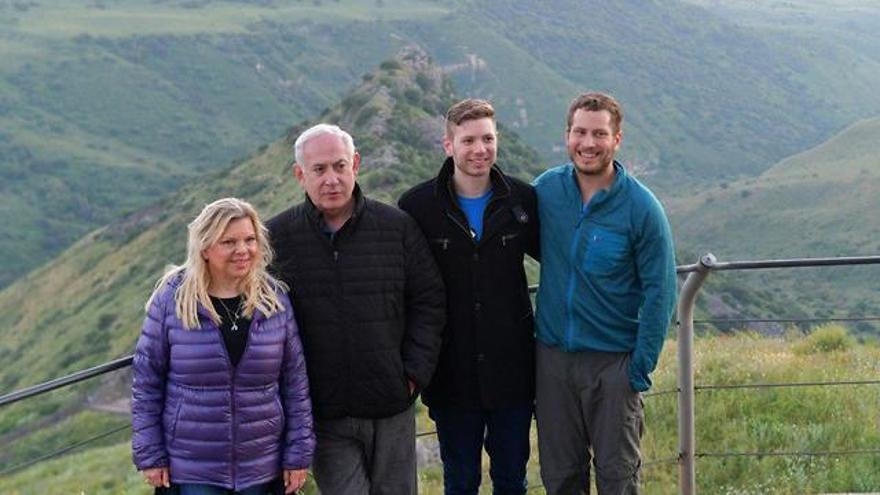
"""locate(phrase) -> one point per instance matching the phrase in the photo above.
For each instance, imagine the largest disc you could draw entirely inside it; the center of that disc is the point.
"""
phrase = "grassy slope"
(806, 419)
(813, 204)
(772, 420)
(140, 97)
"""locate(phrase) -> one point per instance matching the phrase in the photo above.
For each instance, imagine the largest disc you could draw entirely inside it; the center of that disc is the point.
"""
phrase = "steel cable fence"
(686, 454)
(64, 450)
(816, 453)
(114, 365)
(841, 319)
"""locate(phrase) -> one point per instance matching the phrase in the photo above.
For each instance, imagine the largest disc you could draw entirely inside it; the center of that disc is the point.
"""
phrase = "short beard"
(593, 172)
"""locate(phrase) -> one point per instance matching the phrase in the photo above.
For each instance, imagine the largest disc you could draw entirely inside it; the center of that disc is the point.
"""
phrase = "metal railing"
(697, 274)
(64, 381)
(687, 455)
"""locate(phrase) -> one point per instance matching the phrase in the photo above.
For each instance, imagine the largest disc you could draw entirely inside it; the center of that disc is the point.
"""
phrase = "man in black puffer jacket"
(479, 223)
(370, 306)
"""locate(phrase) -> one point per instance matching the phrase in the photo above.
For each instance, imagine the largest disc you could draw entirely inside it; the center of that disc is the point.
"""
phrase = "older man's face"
(328, 174)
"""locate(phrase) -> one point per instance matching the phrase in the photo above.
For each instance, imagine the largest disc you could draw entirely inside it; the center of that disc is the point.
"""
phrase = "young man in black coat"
(480, 223)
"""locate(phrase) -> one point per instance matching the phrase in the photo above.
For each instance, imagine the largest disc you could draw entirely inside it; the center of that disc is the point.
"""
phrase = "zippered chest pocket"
(606, 252)
(447, 249)
(509, 239)
(440, 243)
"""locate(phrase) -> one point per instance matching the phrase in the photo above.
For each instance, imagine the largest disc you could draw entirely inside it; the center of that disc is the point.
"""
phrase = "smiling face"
(327, 174)
(592, 141)
(472, 146)
(233, 256)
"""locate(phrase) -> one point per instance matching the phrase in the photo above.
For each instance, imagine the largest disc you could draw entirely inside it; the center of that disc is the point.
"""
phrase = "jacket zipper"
(569, 301)
(233, 373)
(466, 230)
(337, 275)
(234, 436)
(498, 211)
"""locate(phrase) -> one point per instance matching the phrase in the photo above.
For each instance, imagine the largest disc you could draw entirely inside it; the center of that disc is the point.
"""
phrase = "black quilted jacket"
(369, 304)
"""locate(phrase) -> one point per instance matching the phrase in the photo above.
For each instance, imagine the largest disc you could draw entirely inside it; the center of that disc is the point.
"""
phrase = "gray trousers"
(357, 456)
(585, 405)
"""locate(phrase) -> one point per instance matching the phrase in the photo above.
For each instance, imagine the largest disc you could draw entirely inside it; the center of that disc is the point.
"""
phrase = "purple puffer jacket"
(209, 422)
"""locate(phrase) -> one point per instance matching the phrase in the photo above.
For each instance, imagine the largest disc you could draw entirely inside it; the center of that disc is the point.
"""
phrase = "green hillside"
(107, 104)
(711, 98)
(855, 21)
(818, 203)
(804, 419)
(86, 306)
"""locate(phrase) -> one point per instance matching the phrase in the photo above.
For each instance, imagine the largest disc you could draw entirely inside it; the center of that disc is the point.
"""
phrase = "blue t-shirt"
(473, 209)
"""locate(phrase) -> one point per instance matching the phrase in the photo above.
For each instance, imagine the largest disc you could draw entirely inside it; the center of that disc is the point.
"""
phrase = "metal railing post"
(686, 431)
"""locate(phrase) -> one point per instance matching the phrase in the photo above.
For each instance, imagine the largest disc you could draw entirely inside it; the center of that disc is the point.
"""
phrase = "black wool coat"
(369, 304)
(487, 359)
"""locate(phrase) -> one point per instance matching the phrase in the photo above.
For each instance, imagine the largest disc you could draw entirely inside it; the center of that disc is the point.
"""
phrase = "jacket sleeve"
(299, 433)
(655, 262)
(425, 300)
(150, 369)
(533, 228)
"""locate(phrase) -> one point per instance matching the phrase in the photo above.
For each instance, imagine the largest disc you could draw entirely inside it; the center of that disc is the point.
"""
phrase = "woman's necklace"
(233, 316)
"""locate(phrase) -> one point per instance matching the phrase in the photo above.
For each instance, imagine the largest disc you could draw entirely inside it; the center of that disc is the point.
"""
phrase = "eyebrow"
(324, 164)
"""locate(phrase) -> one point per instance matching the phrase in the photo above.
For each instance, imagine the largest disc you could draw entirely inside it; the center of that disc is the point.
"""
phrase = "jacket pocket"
(175, 418)
(278, 416)
(606, 251)
(400, 371)
(508, 238)
(279, 408)
(440, 243)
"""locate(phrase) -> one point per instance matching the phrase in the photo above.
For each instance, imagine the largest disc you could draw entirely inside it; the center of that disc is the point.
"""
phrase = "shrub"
(826, 338)
(391, 65)
(365, 114)
(427, 84)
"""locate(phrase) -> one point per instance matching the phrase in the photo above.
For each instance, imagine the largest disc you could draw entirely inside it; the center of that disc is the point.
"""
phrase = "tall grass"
(809, 419)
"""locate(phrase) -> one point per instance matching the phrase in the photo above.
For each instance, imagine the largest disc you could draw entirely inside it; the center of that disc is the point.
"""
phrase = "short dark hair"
(595, 102)
(469, 109)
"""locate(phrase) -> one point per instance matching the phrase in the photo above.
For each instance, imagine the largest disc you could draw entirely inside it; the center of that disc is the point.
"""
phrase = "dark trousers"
(363, 456)
(462, 435)
(585, 405)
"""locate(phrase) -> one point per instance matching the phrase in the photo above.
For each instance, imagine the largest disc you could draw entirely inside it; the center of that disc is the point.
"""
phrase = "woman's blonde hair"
(259, 289)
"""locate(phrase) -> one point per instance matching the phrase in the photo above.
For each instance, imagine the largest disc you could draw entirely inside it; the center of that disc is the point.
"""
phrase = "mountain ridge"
(814, 204)
(178, 88)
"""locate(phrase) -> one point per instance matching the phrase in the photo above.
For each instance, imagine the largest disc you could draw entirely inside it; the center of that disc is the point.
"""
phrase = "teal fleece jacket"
(607, 270)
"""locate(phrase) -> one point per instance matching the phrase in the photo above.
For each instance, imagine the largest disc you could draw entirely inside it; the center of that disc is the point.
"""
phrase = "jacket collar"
(317, 218)
(602, 196)
(444, 187)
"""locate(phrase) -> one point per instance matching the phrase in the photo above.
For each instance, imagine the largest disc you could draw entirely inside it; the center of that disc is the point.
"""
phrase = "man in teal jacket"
(605, 301)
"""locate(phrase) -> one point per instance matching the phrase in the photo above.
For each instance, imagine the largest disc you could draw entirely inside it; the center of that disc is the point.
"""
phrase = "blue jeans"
(462, 434)
(191, 489)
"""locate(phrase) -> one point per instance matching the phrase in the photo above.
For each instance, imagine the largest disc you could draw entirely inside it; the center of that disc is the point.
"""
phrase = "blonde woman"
(220, 399)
